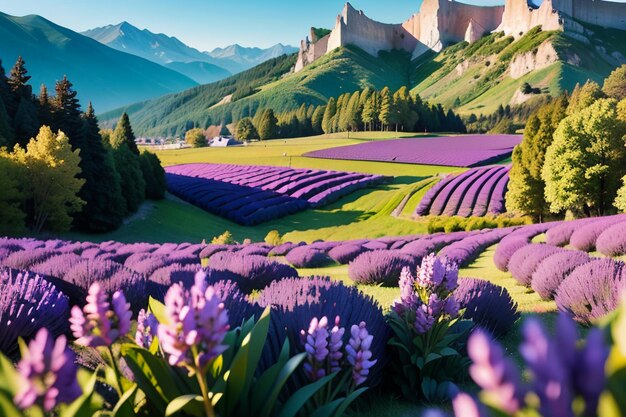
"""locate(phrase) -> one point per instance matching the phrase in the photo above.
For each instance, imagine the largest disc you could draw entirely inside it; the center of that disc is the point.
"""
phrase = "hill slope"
(103, 75)
(346, 69)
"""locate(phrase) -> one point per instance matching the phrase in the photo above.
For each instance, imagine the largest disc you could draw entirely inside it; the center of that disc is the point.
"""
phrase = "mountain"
(103, 75)
(450, 60)
(237, 58)
(171, 52)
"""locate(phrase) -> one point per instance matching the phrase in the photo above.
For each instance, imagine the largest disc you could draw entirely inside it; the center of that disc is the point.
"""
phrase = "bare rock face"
(442, 22)
(531, 61)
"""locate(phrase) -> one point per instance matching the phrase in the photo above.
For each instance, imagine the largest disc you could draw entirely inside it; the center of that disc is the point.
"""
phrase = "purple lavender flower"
(495, 373)
(316, 347)
(195, 318)
(334, 346)
(95, 325)
(49, 373)
(147, 328)
(408, 297)
(359, 353)
(589, 378)
(423, 320)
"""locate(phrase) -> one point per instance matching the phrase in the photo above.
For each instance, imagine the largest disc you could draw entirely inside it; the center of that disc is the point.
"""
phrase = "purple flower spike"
(317, 348)
(335, 345)
(95, 325)
(147, 328)
(195, 318)
(423, 320)
(466, 406)
(359, 353)
(49, 374)
(589, 376)
(494, 373)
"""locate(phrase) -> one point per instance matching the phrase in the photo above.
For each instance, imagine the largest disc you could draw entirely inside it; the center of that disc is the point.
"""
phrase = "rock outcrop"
(443, 22)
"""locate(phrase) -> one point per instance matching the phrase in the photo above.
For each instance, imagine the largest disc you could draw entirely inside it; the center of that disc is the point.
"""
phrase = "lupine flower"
(48, 372)
(147, 328)
(359, 353)
(334, 346)
(316, 347)
(96, 325)
(195, 318)
(495, 373)
(423, 320)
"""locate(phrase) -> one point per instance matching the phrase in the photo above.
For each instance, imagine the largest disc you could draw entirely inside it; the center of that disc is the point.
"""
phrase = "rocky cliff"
(442, 22)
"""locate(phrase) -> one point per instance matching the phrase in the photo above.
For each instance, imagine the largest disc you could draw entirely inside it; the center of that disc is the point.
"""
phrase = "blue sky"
(206, 24)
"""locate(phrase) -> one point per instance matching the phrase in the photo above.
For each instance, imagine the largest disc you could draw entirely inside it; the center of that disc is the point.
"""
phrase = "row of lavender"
(477, 192)
(48, 277)
(562, 269)
(250, 195)
(457, 151)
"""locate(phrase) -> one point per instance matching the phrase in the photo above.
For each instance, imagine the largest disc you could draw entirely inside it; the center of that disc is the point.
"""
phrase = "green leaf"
(9, 378)
(349, 400)
(124, 406)
(158, 310)
(284, 375)
(7, 407)
(300, 397)
(448, 351)
(267, 380)
(190, 404)
(328, 410)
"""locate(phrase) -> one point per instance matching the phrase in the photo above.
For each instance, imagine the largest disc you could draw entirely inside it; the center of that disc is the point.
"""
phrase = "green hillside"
(107, 77)
(268, 85)
(468, 78)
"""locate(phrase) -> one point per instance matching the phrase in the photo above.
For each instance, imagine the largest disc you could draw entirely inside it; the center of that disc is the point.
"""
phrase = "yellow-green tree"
(585, 163)
(51, 173)
(12, 216)
(195, 137)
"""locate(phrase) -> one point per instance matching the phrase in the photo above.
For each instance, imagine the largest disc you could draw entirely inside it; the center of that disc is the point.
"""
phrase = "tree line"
(363, 110)
(572, 159)
(59, 169)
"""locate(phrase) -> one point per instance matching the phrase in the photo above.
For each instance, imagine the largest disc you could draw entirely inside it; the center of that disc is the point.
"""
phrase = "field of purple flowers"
(457, 151)
(249, 195)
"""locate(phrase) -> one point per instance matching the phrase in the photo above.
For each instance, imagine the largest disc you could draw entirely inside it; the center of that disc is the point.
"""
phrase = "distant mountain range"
(173, 53)
(107, 77)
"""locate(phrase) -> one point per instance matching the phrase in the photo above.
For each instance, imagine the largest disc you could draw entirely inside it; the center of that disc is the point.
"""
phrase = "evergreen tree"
(132, 183)
(371, 111)
(44, 108)
(353, 113)
(329, 114)
(6, 131)
(585, 163)
(341, 109)
(26, 122)
(246, 130)
(387, 109)
(52, 175)
(18, 83)
(268, 125)
(317, 120)
(583, 97)
(66, 114)
(405, 116)
(123, 133)
(154, 175)
(5, 90)
(104, 207)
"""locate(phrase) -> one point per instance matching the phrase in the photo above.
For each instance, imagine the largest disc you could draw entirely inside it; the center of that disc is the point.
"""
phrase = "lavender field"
(458, 151)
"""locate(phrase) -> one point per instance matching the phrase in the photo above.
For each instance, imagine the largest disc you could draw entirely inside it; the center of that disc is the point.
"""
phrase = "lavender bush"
(525, 261)
(612, 241)
(488, 305)
(307, 257)
(254, 272)
(592, 290)
(379, 267)
(551, 272)
(561, 234)
(344, 254)
(584, 238)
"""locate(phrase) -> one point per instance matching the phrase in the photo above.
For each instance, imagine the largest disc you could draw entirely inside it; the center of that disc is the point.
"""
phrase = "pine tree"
(354, 111)
(268, 125)
(66, 114)
(44, 109)
(123, 133)
(387, 108)
(6, 131)
(371, 111)
(154, 175)
(132, 182)
(317, 120)
(18, 82)
(52, 175)
(329, 114)
(26, 122)
(246, 130)
(104, 207)
(5, 90)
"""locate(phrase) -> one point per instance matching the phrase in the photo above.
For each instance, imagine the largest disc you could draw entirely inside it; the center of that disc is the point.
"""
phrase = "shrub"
(506, 249)
(28, 302)
(525, 261)
(592, 290)
(380, 267)
(298, 300)
(225, 238)
(210, 250)
(552, 271)
(612, 241)
(58, 265)
(466, 250)
(255, 249)
(344, 254)
(488, 305)
(584, 238)
(273, 238)
(307, 257)
(283, 249)
(254, 272)
(24, 259)
(561, 234)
